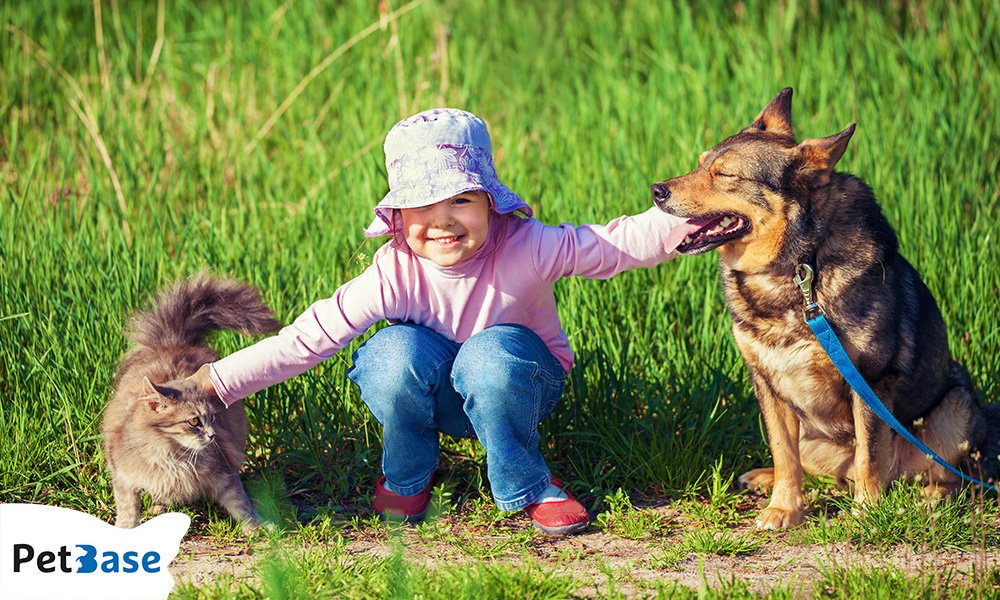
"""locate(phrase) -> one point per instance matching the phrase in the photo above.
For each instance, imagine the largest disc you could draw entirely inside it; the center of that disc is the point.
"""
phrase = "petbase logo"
(48, 552)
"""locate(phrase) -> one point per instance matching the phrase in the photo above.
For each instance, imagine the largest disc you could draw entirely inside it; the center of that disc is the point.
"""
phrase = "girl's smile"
(449, 231)
(447, 241)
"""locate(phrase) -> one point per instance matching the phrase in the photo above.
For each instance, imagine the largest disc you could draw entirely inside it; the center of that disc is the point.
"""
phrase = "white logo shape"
(47, 552)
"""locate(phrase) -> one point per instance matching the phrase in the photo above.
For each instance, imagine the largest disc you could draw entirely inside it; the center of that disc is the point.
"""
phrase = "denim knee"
(391, 348)
(492, 360)
(399, 361)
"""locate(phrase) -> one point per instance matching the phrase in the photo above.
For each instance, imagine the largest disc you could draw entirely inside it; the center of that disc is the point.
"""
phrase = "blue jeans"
(496, 387)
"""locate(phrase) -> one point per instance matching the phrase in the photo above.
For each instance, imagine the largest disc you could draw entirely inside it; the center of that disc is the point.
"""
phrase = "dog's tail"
(186, 313)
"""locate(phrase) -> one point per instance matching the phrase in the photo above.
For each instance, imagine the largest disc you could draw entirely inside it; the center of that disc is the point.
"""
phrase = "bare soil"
(603, 560)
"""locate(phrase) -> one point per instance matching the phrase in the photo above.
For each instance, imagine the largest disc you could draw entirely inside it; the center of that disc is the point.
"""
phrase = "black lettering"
(44, 559)
(63, 563)
(22, 554)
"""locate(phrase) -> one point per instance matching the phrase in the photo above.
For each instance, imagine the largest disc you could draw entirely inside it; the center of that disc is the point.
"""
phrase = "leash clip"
(804, 279)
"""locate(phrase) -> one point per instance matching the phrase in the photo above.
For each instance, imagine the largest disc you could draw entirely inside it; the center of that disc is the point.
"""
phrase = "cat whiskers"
(188, 458)
(221, 454)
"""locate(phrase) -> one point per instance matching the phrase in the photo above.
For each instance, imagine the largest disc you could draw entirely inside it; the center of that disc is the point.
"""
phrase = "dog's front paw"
(939, 491)
(773, 517)
(758, 479)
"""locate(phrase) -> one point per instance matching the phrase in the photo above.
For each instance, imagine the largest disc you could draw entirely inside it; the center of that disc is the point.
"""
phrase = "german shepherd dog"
(770, 204)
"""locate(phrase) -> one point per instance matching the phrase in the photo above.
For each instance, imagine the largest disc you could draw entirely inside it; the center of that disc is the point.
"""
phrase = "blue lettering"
(149, 561)
(131, 566)
(87, 562)
(110, 564)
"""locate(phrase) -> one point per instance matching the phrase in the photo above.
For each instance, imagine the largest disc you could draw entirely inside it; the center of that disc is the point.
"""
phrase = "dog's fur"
(769, 204)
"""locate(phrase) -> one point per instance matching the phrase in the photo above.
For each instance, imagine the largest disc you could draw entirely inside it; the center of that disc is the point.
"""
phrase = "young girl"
(474, 347)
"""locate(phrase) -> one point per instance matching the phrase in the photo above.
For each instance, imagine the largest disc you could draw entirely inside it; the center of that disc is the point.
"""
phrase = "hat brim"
(503, 201)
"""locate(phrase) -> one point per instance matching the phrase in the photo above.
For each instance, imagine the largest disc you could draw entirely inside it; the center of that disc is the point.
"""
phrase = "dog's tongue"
(689, 227)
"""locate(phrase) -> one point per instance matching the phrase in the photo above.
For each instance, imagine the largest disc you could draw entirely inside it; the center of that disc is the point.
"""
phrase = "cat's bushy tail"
(183, 315)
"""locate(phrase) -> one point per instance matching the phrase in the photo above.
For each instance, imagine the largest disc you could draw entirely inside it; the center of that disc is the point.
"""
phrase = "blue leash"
(815, 317)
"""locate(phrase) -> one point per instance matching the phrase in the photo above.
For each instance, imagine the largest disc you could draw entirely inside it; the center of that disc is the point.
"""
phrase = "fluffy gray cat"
(162, 433)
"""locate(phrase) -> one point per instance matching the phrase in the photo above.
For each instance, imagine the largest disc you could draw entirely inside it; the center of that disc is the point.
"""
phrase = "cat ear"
(203, 381)
(152, 395)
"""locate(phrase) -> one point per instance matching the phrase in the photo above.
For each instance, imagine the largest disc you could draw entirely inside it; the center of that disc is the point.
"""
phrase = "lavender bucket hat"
(437, 154)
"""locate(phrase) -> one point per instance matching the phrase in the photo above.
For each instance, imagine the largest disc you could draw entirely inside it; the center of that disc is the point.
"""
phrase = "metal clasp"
(804, 279)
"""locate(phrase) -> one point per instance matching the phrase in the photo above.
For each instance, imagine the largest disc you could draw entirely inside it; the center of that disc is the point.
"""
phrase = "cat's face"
(181, 412)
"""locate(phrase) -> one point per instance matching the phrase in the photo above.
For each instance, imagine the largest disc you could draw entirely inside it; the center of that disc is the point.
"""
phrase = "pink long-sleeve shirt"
(511, 284)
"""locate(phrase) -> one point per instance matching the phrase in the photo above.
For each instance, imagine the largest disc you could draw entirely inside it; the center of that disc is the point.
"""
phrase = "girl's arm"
(316, 335)
(602, 251)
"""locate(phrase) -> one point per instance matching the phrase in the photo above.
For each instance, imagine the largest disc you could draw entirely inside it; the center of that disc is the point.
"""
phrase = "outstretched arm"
(601, 251)
(316, 335)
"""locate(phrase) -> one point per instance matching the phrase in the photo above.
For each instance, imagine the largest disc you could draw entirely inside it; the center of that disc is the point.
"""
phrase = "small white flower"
(486, 165)
(451, 179)
(440, 158)
(415, 195)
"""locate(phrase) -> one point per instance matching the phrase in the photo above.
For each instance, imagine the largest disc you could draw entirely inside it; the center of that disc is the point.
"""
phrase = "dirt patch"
(601, 560)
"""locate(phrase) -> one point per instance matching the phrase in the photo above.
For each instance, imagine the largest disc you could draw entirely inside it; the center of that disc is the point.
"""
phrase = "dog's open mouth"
(714, 231)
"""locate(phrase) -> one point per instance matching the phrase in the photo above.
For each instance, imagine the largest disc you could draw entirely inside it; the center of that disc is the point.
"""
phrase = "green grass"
(621, 519)
(904, 517)
(131, 159)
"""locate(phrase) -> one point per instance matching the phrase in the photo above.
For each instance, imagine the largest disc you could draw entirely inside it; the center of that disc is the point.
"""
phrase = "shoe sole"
(564, 530)
(417, 518)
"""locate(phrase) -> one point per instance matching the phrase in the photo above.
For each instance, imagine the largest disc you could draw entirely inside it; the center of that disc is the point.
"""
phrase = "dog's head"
(750, 192)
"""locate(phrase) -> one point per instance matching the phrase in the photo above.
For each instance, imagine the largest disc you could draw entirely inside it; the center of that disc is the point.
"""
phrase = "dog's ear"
(820, 155)
(777, 115)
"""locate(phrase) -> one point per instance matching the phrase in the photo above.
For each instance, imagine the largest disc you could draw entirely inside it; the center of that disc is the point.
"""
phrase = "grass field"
(143, 142)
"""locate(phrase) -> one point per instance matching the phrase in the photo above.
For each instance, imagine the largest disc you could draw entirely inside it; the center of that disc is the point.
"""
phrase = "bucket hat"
(437, 154)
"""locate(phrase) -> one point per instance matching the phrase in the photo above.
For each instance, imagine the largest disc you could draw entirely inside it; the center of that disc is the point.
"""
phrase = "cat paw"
(255, 526)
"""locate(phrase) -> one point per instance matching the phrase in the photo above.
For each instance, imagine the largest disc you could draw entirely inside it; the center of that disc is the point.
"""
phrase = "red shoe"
(394, 507)
(560, 517)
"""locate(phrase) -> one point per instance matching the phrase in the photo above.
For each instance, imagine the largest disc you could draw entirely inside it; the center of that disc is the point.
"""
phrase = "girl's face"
(448, 231)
